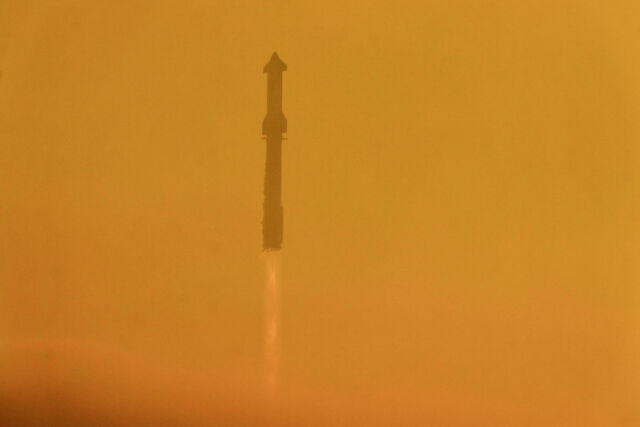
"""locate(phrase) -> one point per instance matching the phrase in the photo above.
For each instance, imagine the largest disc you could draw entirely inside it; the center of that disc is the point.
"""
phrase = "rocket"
(273, 126)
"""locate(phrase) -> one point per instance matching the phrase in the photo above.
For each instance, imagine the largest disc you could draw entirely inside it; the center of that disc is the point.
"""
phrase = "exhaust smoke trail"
(272, 285)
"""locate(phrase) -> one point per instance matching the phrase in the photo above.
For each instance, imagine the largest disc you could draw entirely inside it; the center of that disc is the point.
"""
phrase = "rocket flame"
(272, 283)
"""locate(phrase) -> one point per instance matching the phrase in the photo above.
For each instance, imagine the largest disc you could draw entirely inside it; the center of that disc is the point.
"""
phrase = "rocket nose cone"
(275, 64)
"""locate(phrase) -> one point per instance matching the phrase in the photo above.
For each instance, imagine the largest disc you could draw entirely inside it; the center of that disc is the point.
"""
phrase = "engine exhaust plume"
(271, 346)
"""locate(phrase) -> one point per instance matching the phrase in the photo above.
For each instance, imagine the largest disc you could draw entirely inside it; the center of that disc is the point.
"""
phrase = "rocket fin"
(274, 124)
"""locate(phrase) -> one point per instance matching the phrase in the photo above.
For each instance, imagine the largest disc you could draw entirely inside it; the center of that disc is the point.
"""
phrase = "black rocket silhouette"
(273, 126)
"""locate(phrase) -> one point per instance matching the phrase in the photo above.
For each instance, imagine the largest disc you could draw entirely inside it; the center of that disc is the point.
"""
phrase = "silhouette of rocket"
(273, 126)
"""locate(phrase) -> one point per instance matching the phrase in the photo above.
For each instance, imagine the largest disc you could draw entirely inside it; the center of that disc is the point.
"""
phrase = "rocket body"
(273, 126)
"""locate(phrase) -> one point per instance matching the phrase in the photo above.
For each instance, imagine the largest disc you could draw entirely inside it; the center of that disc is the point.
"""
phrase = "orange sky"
(460, 186)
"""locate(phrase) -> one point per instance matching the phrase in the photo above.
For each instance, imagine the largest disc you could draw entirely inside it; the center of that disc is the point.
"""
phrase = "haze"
(460, 192)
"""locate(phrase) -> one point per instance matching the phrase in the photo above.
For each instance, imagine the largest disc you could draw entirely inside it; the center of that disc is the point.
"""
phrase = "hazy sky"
(460, 189)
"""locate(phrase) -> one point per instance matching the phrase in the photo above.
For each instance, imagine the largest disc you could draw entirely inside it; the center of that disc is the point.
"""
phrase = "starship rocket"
(273, 126)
